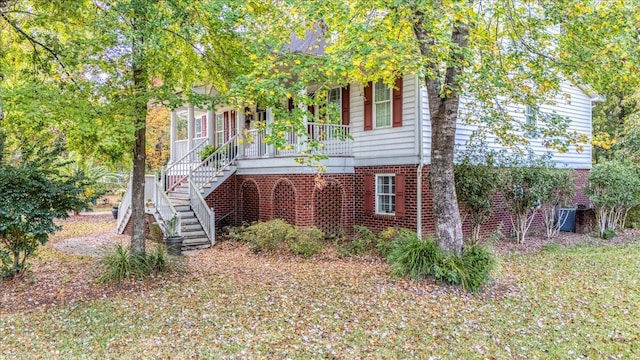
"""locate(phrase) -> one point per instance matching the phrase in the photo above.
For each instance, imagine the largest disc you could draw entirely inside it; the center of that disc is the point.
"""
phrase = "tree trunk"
(444, 100)
(139, 150)
(445, 202)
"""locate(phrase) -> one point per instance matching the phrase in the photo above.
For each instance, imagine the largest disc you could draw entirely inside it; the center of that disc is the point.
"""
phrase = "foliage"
(528, 183)
(173, 227)
(477, 181)
(419, 259)
(120, 264)
(207, 151)
(306, 241)
(34, 192)
(614, 188)
(267, 236)
(557, 188)
(158, 138)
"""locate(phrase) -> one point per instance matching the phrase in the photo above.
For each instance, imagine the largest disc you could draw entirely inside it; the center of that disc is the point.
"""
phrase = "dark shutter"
(226, 126)
(368, 106)
(369, 194)
(203, 125)
(400, 195)
(290, 104)
(397, 103)
(345, 105)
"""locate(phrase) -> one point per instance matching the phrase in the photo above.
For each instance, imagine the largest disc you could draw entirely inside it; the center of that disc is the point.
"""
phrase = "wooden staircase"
(194, 235)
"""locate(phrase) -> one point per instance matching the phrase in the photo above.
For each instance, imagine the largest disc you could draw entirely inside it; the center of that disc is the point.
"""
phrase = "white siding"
(387, 145)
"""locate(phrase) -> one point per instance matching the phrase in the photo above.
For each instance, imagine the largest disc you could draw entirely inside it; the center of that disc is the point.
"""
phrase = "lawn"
(576, 302)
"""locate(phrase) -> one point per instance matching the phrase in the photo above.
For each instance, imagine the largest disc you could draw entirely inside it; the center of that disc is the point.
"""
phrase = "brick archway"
(284, 201)
(328, 207)
(250, 202)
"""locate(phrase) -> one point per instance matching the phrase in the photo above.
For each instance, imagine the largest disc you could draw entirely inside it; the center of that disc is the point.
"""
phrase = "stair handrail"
(204, 214)
(165, 209)
(215, 164)
(182, 166)
(124, 207)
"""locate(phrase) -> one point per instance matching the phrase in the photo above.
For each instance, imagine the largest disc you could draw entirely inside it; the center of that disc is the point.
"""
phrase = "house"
(379, 177)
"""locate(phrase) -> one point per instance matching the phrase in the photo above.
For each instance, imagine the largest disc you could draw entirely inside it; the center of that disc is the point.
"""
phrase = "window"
(334, 106)
(219, 129)
(385, 194)
(204, 125)
(198, 124)
(529, 121)
(381, 105)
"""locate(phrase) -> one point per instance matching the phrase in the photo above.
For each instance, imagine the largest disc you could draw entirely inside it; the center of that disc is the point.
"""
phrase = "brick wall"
(284, 201)
(248, 202)
(223, 201)
(303, 202)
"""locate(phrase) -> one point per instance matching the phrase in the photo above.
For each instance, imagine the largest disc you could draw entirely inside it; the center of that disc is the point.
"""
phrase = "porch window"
(198, 128)
(334, 105)
(219, 129)
(381, 105)
(386, 194)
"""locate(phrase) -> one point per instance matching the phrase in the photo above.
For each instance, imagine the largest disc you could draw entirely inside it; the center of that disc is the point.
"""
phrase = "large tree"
(114, 58)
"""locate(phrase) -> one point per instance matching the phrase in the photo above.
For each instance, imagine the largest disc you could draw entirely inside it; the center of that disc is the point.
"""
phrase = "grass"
(578, 302)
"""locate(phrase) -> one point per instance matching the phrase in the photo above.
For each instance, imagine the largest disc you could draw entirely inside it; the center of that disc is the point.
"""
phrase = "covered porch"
(192, 129)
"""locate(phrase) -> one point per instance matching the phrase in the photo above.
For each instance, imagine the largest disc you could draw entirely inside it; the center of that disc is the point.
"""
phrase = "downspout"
(421, 162)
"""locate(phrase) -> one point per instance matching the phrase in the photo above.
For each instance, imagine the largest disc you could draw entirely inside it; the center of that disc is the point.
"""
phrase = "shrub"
(614, 188)
(386, 238)
(120, 264)
(477, 180)
(207, 151)
(267, 236)
(363, 241)
(557, 187)
(306, 241)
(418, 259)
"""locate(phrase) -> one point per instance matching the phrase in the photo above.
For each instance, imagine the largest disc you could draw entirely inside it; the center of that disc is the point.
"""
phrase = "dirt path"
(91, 245)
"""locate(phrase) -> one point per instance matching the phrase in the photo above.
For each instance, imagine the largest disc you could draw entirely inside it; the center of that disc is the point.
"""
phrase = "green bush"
(120, 264)
(267, 236)
(386, 238)
(306, 241)
(207, 151)
(419, 259)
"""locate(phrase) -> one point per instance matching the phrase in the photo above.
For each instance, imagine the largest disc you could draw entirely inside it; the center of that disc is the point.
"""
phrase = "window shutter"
(345, 105)
(290, 104)
(226, 126)
(204, 125)
(397, 103)
(400, 195)
(368, 106)
(312, 110)
(369, 193)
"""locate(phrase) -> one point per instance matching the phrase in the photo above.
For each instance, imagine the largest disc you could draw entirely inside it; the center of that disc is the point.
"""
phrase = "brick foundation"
(336, 203)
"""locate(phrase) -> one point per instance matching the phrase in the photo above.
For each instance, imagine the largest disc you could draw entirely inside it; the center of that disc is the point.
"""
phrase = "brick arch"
(249, 202)
(284, 201)
(328, 203)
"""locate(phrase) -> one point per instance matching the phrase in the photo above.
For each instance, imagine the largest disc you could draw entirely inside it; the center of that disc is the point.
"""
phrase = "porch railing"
(165, 209)
(178, 171)
(181, 147)
(124, 210)
(209, 168)
(202, 211)
(331, 139)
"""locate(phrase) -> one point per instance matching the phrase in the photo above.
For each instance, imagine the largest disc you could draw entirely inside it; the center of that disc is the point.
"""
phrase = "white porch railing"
(209, 168)
(178, 171)
(165, 209)
(202, 211)
(124, 210)
(182, 146)
(332, 140)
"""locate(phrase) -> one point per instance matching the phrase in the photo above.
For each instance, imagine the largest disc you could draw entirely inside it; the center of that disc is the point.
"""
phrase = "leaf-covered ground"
(577, 302)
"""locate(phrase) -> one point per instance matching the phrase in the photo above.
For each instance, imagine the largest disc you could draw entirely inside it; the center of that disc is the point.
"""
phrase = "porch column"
(240, 116)
(211, 132)
(191, 127)
(302, 140)
(270, 149)
(173, 132)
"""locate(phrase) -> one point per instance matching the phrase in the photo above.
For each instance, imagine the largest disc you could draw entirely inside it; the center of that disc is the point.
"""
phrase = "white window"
(381, 105)
(219, 129)
(386, 194)
(198, 128)
(529, 121)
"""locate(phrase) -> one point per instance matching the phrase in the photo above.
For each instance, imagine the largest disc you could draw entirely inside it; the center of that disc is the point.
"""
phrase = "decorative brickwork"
(284, 201)
(249, 202)
(328, 207)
